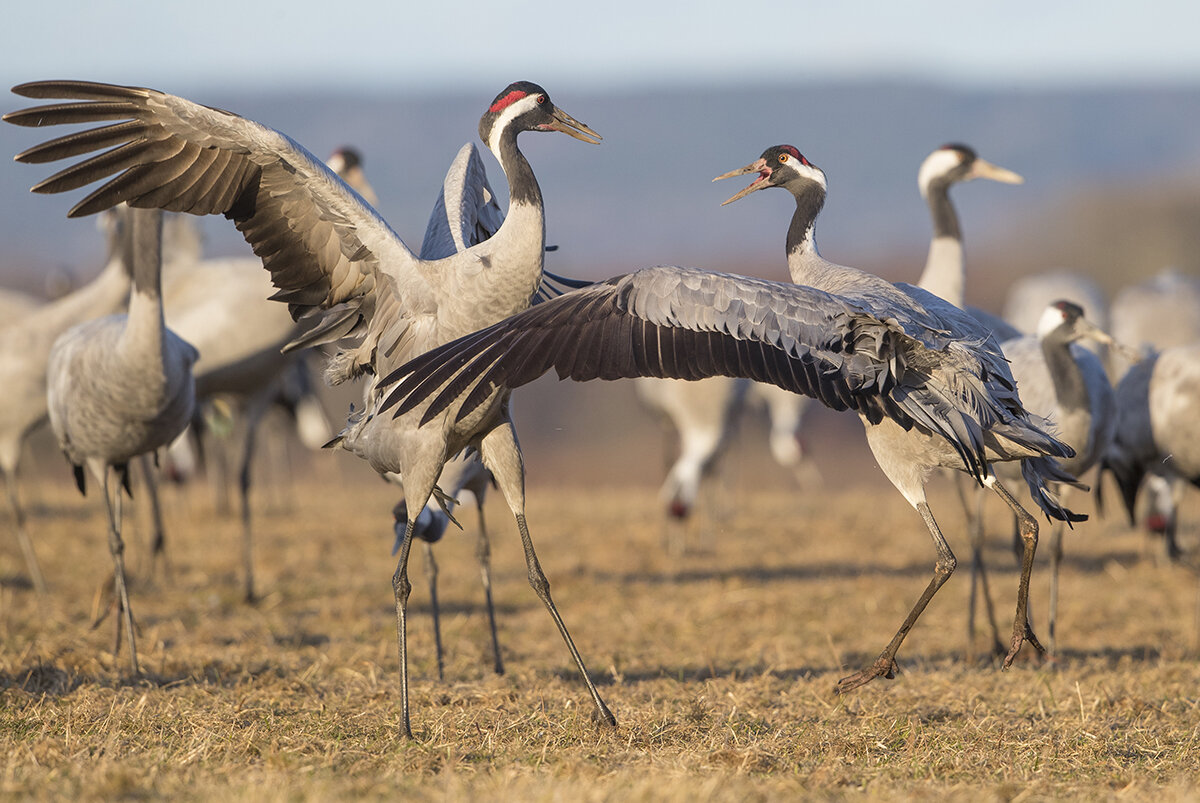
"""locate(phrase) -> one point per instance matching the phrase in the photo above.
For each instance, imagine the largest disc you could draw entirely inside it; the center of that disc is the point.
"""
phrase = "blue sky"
(614, 43)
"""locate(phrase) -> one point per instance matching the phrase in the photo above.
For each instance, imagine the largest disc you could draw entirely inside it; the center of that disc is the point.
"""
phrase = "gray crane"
(331, 255)
(24, 350)
(931, 387)
(1154, 315)
(465, 214)
(119, 387)
(1066, 384)
(945, 264)
(1158, 431)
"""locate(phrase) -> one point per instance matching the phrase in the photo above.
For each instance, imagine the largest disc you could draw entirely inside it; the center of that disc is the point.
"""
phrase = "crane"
(119, 387)
(1157, 434)
(333, 257)
(931, 387)
(1066, 384)
(945, 265)
(25, 345)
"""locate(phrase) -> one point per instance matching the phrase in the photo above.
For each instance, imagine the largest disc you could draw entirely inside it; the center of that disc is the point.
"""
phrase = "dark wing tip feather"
(80, 90)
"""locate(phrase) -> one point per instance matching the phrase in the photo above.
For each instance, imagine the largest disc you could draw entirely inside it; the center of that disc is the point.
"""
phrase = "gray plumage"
(121, 386)
(931, 386)
(1066, 384)
(25, 345)
(464, 215)
(1158, 430)
(331, 256)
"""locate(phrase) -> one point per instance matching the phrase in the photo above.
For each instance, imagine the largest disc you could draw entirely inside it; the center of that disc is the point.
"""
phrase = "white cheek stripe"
(938, 163)
(513, 109)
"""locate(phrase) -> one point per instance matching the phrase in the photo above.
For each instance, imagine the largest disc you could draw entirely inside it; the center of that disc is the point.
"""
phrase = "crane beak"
(985, 169)
(571, 127)
(1086, 329)
(759, 183)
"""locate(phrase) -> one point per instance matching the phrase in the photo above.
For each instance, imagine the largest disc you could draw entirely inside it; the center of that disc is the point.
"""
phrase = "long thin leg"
(979, 581)
(253, 417)
(541, 587)
(431, 572)
(885, 664)
(500, 454)
(158, 546)
(1056, 555)
(1027, 526)
(31, 562)
(483, 551)
(112, 502)
(401, 588)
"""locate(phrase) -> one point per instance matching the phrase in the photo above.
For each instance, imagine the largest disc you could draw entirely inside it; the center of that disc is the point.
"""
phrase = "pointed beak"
(1086, 329)
(985, 169)
(759, 167)
(571, 127)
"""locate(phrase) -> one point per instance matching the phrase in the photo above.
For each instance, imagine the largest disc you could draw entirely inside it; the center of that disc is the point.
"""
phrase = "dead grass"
(719, 665)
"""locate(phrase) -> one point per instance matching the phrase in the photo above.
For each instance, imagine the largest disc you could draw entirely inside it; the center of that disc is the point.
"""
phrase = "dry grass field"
(719, 665)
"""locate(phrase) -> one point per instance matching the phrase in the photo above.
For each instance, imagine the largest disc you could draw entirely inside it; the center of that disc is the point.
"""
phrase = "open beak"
(759, 167)
(570, 126)
(985, 169)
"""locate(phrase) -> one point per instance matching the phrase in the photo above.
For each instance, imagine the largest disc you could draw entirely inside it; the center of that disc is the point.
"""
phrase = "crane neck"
(142, 252)
(802, 233)
(945, 267)
(941, 210)
(522, 185)
(1070, 388)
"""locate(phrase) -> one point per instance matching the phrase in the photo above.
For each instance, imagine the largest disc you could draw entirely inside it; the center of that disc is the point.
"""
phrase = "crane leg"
(483, 551)
(401, 587)
(431, 572)
(1056, 555)
(1028, 528)
(158, 545)
(253, 418)
(979, 580)
(500, 454)
(885, 664)
(31, 562)
(112, 502)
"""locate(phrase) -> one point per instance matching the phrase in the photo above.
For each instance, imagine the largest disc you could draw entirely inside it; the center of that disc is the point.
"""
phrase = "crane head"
(779, 165)
(525, 106)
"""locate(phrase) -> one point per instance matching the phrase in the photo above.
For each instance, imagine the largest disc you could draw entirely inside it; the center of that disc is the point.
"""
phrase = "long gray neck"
(143, 259)
(143, 251)
(522, 186)
(945, 219)
(945, 269)
(1069, 386)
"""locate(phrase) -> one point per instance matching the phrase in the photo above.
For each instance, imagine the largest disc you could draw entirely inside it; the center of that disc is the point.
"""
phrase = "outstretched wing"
(466, 212)
(690, 324)
(323, 244)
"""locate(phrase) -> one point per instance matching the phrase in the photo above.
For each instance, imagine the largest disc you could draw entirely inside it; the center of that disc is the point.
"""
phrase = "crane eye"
(541, 99)
(783, 157)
